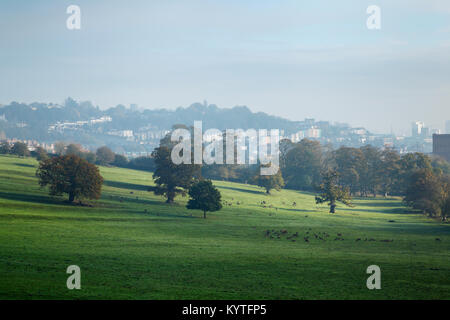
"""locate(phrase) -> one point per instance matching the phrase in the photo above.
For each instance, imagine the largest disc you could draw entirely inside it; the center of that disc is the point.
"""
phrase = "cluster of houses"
(62, 126)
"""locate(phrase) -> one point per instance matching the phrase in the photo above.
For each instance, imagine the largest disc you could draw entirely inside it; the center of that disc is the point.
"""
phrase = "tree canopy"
(332, 192)
(301, 164)
(41, 154)
(429, 193)
(74, 148)
(72, 175)
(20, 149)
(5, 148)
(205, 197)
(172, 179)
(105, 156)
(120, 160)
(270, 182)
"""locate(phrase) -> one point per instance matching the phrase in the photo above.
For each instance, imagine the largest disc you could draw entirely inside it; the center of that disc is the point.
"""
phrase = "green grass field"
(131, 245)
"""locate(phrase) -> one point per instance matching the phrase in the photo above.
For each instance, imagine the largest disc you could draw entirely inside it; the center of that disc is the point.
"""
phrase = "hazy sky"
(294, 59)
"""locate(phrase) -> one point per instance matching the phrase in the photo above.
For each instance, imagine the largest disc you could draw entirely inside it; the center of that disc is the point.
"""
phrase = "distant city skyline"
(286, 58)
(416, 128)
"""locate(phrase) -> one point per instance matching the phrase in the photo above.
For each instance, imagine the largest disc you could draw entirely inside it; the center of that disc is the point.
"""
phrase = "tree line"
(102, 156)
(422, 180)
(73, 171)
(336, 175)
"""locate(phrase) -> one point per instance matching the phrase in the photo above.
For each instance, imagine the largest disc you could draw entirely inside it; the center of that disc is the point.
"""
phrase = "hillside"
(131, 245)
(130, 130)
(50, 122)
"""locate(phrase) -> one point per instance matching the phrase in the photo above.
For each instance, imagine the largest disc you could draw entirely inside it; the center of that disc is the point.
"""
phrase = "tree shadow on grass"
(31, 198)
(400, 210)
(79, 218)
(25, 165)
(129, 186)
(385, 206)
(384, 203)
(152, 209)
(242, 190)
(135, 200)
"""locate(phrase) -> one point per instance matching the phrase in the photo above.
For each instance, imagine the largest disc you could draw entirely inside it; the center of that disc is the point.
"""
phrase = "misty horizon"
(395, 130)
(288, 59)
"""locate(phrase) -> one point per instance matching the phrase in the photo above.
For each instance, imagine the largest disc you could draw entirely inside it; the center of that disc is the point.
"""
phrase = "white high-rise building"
(417, 128)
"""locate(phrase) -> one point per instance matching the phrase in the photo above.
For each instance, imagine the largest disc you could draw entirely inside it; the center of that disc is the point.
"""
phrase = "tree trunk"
(333, 208)
(170, 197)
(71, 197)
(204, 214)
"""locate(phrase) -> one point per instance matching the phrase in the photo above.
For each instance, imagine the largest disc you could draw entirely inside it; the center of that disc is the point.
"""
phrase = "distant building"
(121, 133)
(359, 131)
(441, 145)
(425, 132)
(323, 124)
(417, 128)
(308, 133)
(313, 133)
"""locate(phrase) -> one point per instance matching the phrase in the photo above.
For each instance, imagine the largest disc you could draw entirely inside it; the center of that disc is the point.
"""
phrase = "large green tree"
(410, 163)
(71, 175)
(440, 165)
(389, 171)
(5, 148)
(427, 192)
(445, 206)
(349, 163)
(41, 154)
(74, 148)
(120, 161)
(20, 149)
(270, 182)
(172, 179)
(332, 192)
(89, 157)
(302, 164)
(205, 197)
(369, 177)
(105, 156)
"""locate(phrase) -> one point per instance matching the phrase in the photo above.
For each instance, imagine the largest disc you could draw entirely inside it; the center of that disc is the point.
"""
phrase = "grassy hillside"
(131, 245)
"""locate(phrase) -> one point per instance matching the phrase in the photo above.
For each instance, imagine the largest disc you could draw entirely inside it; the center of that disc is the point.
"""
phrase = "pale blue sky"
(294, 59)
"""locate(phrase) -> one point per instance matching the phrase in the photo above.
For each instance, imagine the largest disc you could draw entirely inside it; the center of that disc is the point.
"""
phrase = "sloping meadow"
(131, 245)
